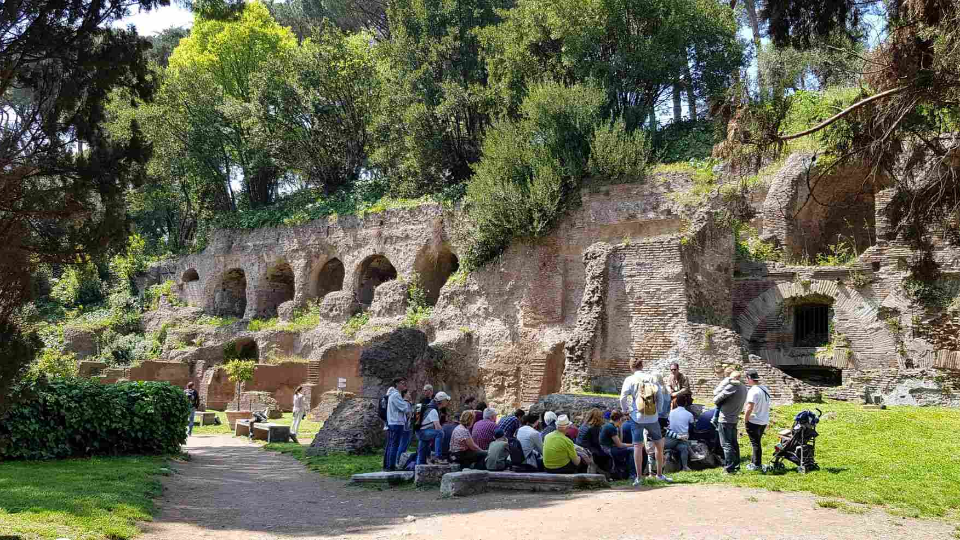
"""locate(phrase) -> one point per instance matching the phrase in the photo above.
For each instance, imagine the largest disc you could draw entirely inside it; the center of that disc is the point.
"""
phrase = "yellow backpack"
(648, 394)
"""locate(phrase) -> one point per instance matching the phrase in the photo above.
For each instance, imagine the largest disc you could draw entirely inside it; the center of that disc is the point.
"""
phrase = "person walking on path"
(398, 411)
(679, 385)
(299, 410)
(640, 399)
(730, 402)
(193, 398)
(756, 416)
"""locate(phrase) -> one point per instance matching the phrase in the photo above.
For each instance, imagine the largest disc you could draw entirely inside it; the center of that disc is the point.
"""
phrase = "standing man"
(193, 399)
(398, 411)
(730, 402)
(640, 399)
(427, 394)
(756, 416)
(678, 386)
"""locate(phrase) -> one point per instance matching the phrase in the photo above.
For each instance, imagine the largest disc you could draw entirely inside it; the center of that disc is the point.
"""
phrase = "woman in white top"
(299, 409)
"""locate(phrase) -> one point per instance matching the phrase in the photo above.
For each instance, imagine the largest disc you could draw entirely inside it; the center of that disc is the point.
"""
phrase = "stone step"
(431, 475)
(468, 482)
(545, 481)
(384, 477)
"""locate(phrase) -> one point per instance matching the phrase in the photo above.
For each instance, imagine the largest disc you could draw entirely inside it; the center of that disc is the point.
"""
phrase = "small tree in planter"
(239, 372)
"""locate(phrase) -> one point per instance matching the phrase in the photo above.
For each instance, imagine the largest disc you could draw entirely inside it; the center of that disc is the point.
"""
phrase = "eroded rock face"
(285, 311)
(80, 341)
(573, 405)
(354, 428)
(339, 306)
(390, 299)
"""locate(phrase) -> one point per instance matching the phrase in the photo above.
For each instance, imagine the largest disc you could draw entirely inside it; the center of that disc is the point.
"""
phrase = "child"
(715, 421)
(498, 452)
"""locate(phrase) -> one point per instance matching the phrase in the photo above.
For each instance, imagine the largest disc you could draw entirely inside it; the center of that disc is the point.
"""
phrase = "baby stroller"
(798, 444)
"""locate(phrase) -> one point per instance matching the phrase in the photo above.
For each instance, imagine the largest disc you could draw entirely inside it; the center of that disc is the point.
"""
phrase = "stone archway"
(230, 294)
(276, 287)
(327, 278)
(374, 271)
(435, 265)
(189, 276)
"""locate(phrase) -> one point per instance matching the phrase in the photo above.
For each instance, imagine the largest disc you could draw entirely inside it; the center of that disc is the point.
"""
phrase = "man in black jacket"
(193, 398)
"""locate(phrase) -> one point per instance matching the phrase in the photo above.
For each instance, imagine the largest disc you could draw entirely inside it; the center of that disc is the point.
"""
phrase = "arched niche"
(190, 275)
(276, 287)
(230, 296)
(373, 272)
(327, 278)
(435, 265)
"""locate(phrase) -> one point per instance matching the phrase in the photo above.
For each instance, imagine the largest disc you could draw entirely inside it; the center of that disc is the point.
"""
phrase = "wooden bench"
(545, 481)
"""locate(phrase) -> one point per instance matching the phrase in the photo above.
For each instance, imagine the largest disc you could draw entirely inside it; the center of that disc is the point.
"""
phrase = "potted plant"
(239, 372)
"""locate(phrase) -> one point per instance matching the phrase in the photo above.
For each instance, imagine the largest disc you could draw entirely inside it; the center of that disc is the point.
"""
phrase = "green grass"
(335, 465)
(90, 499)
(308, 428)
(902, 458)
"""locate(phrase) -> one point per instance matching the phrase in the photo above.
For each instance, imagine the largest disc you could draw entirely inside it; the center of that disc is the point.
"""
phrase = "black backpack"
(516, 451)
(421, 414)
(382, 408)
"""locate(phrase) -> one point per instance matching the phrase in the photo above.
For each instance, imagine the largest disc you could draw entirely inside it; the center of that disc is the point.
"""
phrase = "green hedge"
(79, 417)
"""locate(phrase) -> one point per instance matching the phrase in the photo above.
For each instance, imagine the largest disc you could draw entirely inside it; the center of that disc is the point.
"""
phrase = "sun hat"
(562, 421)
(441, 396)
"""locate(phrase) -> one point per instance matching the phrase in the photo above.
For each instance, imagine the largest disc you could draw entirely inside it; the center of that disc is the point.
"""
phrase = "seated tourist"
(448, 428)
(619, 452)
(531, 442)
(549, 424)
(510, 424)
(572, 431)
(498, 452)
(678, 434)
(463, 449)
(559, 454)
(482, 431)
(590, 435)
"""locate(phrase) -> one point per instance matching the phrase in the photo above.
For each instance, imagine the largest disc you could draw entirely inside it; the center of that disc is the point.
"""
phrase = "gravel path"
(232, 489)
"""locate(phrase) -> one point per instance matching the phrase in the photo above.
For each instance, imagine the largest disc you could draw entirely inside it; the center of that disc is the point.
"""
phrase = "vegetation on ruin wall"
(901, 459)
(93, 498)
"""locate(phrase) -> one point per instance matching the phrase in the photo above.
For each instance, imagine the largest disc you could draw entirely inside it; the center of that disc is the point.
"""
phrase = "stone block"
(390, 299)
(464, 483)
(242, 428)
(274, 413)
(271, 432)
(204, 418)
(545, 481)
(285, 311)
(431, 475)
(339, 306)
(79, 341)
(384, 477)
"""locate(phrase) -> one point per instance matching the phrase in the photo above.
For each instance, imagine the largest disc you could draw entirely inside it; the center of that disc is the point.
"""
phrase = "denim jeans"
(394, 433)
(403, 445)
(622, 458)
(425, 439)
(682, 446)
(190, 422)
(730, 445)
(755, 432)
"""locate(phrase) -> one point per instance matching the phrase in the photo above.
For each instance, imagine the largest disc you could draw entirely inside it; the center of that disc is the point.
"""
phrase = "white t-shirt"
(531, 442)
(760, 397)
(430, 418)
(680, 420)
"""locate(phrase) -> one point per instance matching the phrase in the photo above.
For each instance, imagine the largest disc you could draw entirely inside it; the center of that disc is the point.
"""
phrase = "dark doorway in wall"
(374, 271)
(434, 266)
(330, 278)
(277, 288)
(819, 376)
(811, 325)
(190, 275)
(242, 349)
(230, 298)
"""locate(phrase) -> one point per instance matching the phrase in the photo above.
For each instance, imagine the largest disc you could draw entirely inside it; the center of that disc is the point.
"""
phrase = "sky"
(152, 22)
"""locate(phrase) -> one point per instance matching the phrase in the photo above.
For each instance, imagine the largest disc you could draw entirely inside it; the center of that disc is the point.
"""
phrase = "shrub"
(79, 285)
(418, 309)
(54, 363)
(79, 417)
(685, 141)
(358, 321)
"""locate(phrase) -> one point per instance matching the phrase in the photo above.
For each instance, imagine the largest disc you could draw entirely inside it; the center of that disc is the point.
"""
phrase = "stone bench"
(460, 484)
(545, 481)
(431, 475)
(385, 477)
(201, 418)
(271, 432)
(242, 429)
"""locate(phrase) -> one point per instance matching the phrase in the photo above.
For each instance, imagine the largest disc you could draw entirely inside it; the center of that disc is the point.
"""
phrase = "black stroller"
(798, 444)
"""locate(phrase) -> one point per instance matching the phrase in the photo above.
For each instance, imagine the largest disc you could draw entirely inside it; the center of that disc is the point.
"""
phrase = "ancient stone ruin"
(636, 271)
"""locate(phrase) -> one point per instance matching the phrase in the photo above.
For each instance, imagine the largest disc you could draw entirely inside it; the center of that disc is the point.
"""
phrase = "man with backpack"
(193, 399)
(640, 399)
(394, 410)
(757, 416)
(427, 425)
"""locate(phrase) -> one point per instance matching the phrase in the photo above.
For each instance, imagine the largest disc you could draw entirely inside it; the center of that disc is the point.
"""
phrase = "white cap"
(441, 396)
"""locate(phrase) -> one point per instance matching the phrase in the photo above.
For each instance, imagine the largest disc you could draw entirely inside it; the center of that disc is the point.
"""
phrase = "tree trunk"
(653, 118)
(691, 92)
(677, 103)
(751, 6)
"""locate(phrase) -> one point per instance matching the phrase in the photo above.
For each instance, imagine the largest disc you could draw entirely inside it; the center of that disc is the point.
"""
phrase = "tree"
(239, 372)
(637, 49)
(164, 42)
(312, 111)
(62, 179)
(435, 104)
(207, 100)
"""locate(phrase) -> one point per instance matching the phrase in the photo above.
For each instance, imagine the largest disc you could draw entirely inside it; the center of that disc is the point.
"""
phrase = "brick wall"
(280, 380)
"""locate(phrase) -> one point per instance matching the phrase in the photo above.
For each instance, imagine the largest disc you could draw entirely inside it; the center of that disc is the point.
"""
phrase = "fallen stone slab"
(431, 475)
(384, 477)
(546, 481)
(463, 483)
(271, 432)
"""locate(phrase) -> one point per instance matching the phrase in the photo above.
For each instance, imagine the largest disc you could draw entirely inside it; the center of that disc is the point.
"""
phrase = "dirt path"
(232, 489)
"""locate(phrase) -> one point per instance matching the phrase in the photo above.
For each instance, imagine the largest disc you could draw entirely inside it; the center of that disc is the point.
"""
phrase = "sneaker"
(751, 467)
(687, 469)
(637, 482)
(663, 478)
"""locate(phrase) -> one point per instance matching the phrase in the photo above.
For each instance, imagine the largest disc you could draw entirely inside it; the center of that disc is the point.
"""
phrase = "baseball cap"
(441, 396)
(752, 374)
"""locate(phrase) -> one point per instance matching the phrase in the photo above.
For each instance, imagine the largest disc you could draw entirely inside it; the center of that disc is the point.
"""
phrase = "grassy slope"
(903, 459)
(93, 498)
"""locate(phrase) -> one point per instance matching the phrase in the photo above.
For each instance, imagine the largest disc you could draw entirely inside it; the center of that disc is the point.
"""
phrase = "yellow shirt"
(558, 450)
